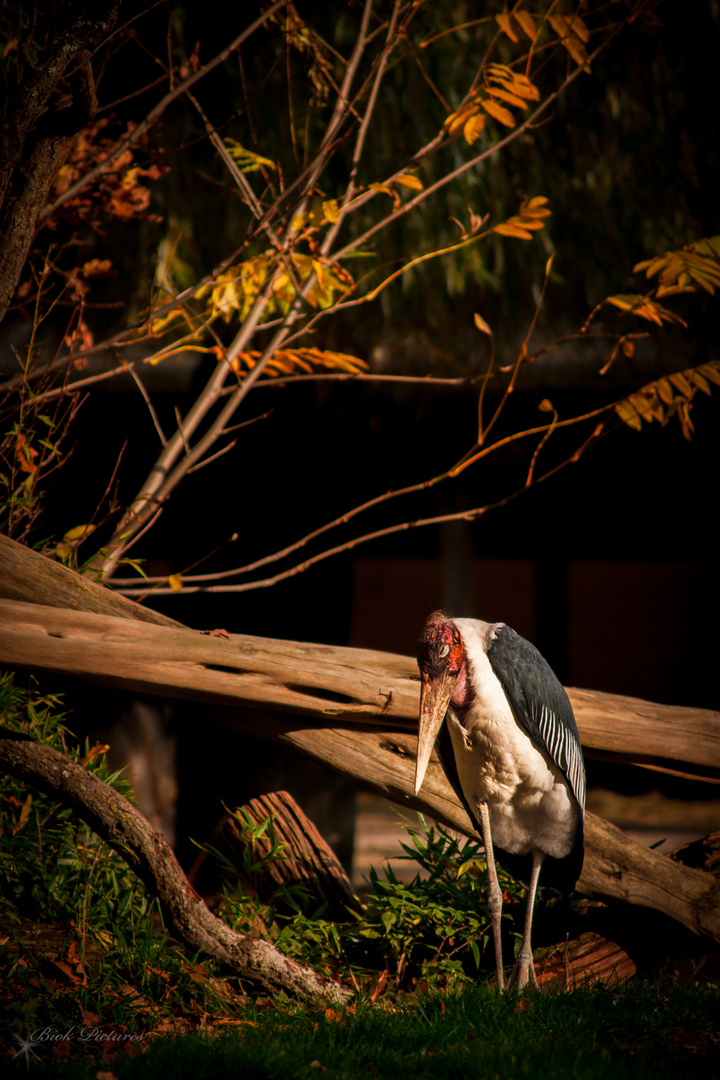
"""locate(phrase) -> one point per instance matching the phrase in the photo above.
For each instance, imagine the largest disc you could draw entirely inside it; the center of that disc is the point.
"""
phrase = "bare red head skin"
(443, 681)
(441, 657)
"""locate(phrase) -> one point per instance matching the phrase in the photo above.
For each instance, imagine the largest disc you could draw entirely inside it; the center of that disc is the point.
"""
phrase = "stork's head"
(441, 659)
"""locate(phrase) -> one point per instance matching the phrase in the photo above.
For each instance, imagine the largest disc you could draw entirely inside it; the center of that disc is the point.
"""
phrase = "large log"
(321, 682)
(370, 699)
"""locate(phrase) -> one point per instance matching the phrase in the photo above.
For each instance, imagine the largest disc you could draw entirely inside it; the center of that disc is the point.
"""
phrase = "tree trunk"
(36, 138)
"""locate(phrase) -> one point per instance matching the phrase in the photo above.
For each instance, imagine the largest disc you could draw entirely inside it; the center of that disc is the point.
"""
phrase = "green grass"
(633, 1032)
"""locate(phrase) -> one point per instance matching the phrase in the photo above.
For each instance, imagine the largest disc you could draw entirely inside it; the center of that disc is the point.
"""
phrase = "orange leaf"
(506, 229)
(508, 26)
(527, 23)
(512, 99)
(498, 112)
(473, 127)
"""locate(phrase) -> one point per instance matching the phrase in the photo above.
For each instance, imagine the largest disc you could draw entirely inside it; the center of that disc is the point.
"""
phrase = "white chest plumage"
(526, 794)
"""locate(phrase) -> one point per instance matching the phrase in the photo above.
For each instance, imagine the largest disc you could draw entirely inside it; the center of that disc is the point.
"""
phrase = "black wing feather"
(540, 704)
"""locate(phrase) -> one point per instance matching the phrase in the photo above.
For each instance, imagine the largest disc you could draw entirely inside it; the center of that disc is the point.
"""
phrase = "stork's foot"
(523, 974)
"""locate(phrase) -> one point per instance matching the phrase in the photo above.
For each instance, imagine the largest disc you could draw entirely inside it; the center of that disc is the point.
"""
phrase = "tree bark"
(36, 138)
(148, 854)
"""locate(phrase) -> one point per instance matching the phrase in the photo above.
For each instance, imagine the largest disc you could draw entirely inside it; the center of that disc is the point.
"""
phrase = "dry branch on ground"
(148, 854)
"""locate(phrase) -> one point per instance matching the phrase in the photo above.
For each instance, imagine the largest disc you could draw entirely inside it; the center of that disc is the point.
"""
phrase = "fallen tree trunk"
(148, 854)
(322, 683)
(371, 701)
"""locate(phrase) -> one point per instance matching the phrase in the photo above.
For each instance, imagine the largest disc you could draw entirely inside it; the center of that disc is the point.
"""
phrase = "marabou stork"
(508, 743)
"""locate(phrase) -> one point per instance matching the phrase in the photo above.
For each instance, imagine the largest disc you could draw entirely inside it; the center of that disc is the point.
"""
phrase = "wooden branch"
(371, 701)
(148, 854)
(27, 575)
(338, 685)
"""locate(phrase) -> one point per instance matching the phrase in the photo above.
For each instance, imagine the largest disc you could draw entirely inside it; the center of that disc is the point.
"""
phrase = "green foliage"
(110, 970)
(432, 931)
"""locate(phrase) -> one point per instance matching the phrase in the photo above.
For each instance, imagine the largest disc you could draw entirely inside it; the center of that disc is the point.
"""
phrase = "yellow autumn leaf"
(24, 814)
(473, 128)
(665, 390)
(711, 371)
(513, 81)
(683, 385)
(507, 229)
(95, 751)
(175, 582)
(498, 112)
(458, 119)
(577, 50)
(642, 405)
(481, 324)
(698, 380)
(535, 205)
(331, 210)
(410, 181)
(246, 160)
(645, 308)
(505, 22)
(78, 533)
(628, 415)
(569, 24)
(505, 95)
(526, 21)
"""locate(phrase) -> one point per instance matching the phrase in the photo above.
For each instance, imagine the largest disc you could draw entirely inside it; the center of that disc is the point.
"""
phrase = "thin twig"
(146, 398)
(379, 500)
(379, 534)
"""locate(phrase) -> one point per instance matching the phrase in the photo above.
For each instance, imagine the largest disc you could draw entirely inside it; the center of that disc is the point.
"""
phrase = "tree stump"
(306, 860)
(590, 958)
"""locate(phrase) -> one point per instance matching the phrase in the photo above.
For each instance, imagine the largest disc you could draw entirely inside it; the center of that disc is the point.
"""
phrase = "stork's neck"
(463, 694)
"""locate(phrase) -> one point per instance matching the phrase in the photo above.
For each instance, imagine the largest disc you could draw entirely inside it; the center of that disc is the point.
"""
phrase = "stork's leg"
(524, 970)
(494, 891)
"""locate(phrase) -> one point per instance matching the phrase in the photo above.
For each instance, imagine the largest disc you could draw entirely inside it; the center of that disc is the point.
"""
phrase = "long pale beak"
(434, 701)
